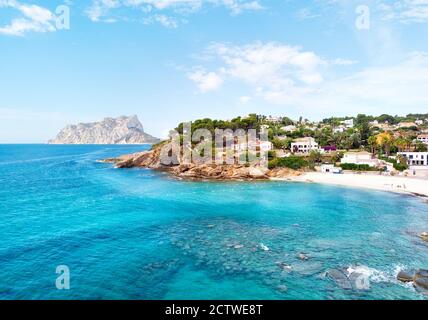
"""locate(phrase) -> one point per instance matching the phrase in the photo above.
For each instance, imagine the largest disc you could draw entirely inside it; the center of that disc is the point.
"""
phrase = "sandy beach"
(408, 185)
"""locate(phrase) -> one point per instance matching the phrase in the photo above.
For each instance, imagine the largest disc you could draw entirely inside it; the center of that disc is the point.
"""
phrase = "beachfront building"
(423, 138)
(416, 159)
(304, 145)
(330, 168)
(360, 157)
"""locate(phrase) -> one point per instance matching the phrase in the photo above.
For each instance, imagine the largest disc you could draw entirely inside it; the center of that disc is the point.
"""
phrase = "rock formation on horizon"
(122, 130)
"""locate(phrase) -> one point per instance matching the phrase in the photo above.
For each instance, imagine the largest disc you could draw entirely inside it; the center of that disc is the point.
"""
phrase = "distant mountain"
(122, 130)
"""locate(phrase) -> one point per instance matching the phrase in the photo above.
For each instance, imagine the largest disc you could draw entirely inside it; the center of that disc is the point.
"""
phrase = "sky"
(168, 61)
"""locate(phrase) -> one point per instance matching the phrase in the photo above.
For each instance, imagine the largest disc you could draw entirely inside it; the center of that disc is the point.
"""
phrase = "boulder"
(422, 283)
(405, 276)
(424, 236)
(307, 268)
(340, 278)
(421, 273)
(302, 256)
(420, 279)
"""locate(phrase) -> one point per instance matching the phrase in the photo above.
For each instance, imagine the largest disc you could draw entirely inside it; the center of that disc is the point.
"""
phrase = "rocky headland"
(122, 130)
(151, 159)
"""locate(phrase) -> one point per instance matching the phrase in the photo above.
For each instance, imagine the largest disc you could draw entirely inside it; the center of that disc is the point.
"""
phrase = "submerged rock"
(340, 278)
(307, 268)
(282, 288)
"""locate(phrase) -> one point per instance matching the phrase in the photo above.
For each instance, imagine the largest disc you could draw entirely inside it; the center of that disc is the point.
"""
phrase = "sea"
(74, 228)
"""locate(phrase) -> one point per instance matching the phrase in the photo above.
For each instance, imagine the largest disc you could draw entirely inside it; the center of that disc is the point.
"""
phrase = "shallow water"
(139, 234)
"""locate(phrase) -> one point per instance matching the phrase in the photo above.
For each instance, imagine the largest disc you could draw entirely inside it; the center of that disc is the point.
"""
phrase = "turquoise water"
(139, 234)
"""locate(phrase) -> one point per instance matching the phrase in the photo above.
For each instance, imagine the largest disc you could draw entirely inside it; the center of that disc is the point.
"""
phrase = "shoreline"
(403, 185)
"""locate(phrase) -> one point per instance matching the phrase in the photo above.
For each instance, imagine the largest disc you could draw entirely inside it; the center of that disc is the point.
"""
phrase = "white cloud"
(244, 99)
(405, 10)
(307, 13)
(164, 20)
(269, 65)
(34, 19)
(291, 77)
(373, 90)
(343, 62)
(100, 9)
(206, 81)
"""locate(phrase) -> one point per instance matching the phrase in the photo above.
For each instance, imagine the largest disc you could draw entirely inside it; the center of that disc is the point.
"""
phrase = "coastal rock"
(152, 159)
(424, 236)
(122, 130)
(405, 276)
(422, 283)
(303, 257)
(421, 280)
(340, 278)
(281, 173)
(421, 273)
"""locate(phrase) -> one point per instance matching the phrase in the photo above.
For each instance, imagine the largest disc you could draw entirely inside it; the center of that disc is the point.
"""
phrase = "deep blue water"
(139, 234)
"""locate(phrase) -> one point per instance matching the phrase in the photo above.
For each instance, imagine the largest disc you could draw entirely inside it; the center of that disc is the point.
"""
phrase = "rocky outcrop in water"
(418, 277)
(151, 159)
(122, 130)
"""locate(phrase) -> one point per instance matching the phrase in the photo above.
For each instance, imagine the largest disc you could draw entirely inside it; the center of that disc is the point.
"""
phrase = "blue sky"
(176, 60)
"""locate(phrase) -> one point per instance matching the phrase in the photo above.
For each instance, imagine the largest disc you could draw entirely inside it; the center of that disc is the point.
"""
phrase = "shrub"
(356, 167)
(271, 154)
(292, 162)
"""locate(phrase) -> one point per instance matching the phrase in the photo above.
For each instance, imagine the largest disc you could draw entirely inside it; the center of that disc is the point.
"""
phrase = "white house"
(252, 145)
(274, 119)
(289, 128)
(304, 145)
(330, 168)
(416, 158)
(419, 122)
(423, 138)
(360, 157)
(339, 129)
(348, 123)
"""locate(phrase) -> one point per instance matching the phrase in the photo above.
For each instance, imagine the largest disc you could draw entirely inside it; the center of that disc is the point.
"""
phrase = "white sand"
(417, 186)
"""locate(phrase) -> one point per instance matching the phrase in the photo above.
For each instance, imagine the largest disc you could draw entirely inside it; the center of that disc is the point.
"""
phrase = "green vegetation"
(399, 164)
(382, 139)
(357, 167)
(292, 162)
